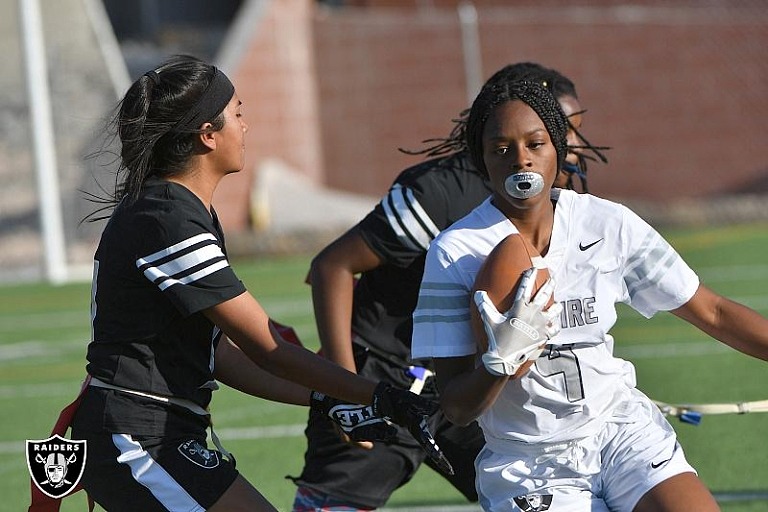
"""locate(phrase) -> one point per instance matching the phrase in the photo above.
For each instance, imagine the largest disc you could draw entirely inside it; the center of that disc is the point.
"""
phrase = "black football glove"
(411, 411)
(358, 422)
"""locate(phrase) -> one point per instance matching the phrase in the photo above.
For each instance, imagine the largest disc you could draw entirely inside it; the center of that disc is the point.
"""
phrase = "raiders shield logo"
(534, 502)
(56, 464)
(199, 454)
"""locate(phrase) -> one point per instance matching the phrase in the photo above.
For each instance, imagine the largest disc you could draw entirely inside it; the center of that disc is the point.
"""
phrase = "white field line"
(74, 318)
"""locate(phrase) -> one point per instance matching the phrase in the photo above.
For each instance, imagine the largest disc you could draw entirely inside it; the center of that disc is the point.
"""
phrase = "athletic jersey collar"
(560, 233)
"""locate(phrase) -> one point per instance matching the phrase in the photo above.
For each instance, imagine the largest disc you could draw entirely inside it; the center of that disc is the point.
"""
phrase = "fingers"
(544, 293)
(421, 433)
(365, 436)
(527, 284)
(346, 438)
(552, 314)
(487, 308)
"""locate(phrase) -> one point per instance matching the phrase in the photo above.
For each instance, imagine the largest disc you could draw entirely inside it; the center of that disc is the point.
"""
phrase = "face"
(573, 111)
(515, 140)
(231, 138)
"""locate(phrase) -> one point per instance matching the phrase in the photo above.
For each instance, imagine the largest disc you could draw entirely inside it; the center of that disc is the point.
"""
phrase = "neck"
(534, 221)
(200, 183)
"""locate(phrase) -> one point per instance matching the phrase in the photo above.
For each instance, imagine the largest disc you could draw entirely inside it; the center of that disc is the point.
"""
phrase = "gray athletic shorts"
(634, 451)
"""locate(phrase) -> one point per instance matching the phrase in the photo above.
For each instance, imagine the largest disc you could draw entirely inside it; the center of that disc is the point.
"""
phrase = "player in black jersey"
(170, 317)
(387, 249)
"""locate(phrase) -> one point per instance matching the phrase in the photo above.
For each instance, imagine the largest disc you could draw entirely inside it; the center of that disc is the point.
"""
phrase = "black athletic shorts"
(128, 473)
(366, 478)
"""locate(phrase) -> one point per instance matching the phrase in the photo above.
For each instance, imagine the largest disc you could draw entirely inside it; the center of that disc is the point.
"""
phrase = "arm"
(730, 322)
(244, 321)
(332, 277)
(466, 391)
(236, 370)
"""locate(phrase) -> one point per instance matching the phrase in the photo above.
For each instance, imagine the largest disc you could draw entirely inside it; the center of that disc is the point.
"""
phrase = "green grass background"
(43, 333)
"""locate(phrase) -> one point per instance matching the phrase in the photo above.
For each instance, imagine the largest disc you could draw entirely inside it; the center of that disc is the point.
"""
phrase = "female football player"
(573, 433)
(163, 294)
(387, 249)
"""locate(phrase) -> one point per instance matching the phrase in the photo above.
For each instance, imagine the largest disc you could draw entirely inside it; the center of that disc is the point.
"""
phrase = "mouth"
(524, 185)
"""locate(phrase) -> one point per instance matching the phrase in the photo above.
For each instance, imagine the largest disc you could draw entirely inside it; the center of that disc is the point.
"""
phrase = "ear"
(208, 137)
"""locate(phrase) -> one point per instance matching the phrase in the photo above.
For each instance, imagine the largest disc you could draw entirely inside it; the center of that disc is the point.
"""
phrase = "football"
(500, 276)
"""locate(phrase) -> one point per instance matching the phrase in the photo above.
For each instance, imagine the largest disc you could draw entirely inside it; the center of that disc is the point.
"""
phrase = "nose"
(521, 160)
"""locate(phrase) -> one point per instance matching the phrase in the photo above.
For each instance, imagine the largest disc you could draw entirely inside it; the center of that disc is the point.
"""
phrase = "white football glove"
(519, 335)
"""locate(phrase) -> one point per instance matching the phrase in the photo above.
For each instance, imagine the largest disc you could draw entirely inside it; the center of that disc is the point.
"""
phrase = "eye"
(501, 150)
(536, 144)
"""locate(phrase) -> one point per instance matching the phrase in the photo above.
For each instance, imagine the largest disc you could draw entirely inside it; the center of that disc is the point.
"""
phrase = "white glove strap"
(499, 366)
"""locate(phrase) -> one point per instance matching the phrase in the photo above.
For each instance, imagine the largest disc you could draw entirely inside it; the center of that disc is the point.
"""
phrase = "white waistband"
(181, 402)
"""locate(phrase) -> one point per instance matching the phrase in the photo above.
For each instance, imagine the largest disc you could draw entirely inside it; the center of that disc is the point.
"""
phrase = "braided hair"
(532, 94)
(558, 84)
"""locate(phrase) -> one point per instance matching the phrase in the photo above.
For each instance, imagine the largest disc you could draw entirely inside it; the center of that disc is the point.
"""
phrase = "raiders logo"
(199, 454)
(56, 464)
(534, 502)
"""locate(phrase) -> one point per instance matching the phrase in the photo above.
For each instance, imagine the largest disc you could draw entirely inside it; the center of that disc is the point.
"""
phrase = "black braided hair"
(532, 94)
(558, 84)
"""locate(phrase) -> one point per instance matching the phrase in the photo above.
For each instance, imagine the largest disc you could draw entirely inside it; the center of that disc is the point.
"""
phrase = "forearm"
(244, 321)
(742, 329)
(238, 371)
(332, 296)
(465, 391)
(732, 323)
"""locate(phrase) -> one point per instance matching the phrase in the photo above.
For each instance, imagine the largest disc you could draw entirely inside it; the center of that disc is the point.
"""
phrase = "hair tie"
(154, 76)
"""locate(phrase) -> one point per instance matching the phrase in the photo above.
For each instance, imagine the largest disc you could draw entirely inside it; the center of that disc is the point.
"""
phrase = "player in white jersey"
(573, 433)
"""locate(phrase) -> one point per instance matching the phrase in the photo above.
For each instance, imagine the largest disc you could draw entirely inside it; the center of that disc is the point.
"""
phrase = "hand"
(519, 335)
(358, 422)
(412, 412)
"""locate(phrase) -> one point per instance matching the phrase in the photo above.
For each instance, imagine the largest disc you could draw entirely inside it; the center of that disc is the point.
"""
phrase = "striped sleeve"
(194, 273)
(410, 222)
(441, 325)
(655, 275)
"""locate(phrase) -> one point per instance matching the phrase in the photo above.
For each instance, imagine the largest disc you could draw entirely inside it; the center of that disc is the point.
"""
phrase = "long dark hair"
(147, 124)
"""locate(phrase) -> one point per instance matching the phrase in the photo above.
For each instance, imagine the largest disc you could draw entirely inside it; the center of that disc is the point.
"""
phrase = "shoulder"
(592, 210)
(476, 233)
(167, 214)
(448, 174)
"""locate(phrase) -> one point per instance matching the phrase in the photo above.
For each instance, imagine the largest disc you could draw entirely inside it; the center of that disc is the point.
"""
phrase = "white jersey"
(600, 253)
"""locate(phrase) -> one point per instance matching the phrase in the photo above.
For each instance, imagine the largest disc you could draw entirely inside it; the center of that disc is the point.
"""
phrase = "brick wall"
(677, 92)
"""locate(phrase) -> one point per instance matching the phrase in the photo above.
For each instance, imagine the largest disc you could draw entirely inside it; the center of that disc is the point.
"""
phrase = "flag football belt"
(419, 374)
(179, 402)
(692, 413)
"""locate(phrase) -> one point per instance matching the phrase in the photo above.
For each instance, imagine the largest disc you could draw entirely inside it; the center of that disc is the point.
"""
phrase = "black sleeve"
(407, 219)
(184, 258)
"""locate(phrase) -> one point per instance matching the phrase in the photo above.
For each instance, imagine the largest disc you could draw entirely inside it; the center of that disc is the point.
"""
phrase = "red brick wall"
(276, 83)
(678, 93)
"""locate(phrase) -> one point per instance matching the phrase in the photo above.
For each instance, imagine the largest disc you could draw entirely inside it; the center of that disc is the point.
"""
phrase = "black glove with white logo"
(411, 411)
(358, 422)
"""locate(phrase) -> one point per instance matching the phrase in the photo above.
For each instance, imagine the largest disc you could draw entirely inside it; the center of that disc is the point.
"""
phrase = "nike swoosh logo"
(583, 247)
(655, 465)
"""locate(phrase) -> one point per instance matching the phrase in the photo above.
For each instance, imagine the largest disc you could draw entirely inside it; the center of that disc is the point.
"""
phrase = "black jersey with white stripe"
(423, 200)
(160, 262)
